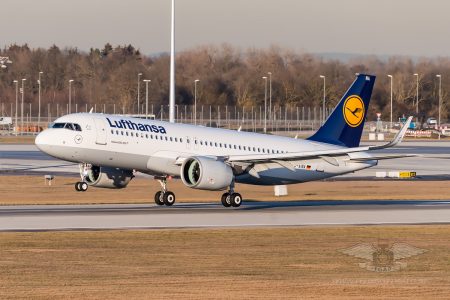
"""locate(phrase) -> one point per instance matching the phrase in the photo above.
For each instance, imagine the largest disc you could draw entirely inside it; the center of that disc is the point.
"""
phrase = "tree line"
(228, 76)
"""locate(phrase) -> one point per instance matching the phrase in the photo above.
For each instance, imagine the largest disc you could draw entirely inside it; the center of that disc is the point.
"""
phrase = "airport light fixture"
(70, 96)
(323, 102)
(21, 105)
(17, 103)
(391, 77)
(138, 91)
(440, 101)
(265, 104)
(417, 94)
(195, 100)
(39, 104)
(146, 96)
(172, 66)
(270, 96)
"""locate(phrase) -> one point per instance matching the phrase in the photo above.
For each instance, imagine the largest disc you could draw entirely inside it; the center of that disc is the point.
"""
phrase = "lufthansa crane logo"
(354, 111)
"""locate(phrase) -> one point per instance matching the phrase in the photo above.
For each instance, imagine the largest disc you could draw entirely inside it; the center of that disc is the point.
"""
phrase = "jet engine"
(105, 177)
(206, 173)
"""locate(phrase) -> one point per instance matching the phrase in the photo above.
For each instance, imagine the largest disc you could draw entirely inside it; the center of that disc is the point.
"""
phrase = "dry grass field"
(32, 190)
(265, 263)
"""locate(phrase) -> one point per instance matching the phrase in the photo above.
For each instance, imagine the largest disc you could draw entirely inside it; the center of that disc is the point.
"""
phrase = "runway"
(211, 215)
(28, 160)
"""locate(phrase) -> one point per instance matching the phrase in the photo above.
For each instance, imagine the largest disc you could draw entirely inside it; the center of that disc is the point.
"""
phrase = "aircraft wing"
(261, 158)
(398, 137)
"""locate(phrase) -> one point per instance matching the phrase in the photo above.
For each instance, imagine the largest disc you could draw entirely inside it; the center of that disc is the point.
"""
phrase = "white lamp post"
(39, 104)
(17, 102)
(195, 100)
(70, 96)
(323, 102)
(21, 105)
(391, 77)
(440, 101)
(146, 97)
(139, 91)
(270, 96)
(265, 103)
(417, 94)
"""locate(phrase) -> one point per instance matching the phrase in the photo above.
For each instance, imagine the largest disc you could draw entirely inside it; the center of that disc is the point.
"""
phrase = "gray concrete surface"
(305, 213)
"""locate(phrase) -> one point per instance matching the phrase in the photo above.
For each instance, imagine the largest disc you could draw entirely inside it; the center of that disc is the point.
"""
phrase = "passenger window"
(131, 133)
(181, 140)
(112, 131)
(121, 132)
(176, 139)
(126, 132)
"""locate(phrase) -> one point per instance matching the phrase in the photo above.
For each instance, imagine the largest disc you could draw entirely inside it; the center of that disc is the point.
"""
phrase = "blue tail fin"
(345, 124)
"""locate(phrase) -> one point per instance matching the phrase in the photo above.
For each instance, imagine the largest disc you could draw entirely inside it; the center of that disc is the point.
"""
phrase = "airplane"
(111, 148)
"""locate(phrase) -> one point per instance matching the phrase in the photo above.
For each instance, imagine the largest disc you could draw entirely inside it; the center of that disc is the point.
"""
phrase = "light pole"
(417, 95)
(39, 104)
(323, 102)
(139, 91)
(265, 103)
(440, 100)
(17, 102)
(70, 96)
(270, 96)
(21, 104)
(195, 100)
(391, 77)
(146, 96)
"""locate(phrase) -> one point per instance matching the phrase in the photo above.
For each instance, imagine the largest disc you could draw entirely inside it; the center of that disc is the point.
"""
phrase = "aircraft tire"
(77, 186)
(83, 186)
(236, 199)
(158, 198)
(169, 198)
(226, 200)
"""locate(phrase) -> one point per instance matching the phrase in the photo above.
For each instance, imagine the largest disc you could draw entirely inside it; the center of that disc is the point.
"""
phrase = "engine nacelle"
(105, 177)
(206, 173)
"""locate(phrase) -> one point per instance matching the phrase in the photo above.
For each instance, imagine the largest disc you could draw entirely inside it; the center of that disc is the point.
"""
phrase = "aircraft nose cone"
(41, 141)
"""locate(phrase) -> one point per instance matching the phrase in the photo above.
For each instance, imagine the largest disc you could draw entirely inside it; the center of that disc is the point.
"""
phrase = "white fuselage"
(158, 148)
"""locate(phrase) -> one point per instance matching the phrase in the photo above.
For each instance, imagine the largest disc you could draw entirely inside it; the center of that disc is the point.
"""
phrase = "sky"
(380, 27)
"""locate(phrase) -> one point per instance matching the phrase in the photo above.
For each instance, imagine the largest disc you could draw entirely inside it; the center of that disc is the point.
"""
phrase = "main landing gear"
(82, 186)
(164, 197)
(231, 198)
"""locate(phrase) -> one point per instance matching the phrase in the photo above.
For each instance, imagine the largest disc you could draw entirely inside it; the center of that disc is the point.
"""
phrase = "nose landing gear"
(82, 186)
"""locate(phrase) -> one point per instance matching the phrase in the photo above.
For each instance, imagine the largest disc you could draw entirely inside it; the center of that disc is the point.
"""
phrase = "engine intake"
(206, 174)
(105, 177)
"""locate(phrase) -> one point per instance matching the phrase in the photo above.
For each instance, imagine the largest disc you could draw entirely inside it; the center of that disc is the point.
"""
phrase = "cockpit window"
(58, 125)
(70, 126)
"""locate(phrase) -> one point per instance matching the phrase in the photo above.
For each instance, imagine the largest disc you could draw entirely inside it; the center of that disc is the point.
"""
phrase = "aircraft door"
(100, 131)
